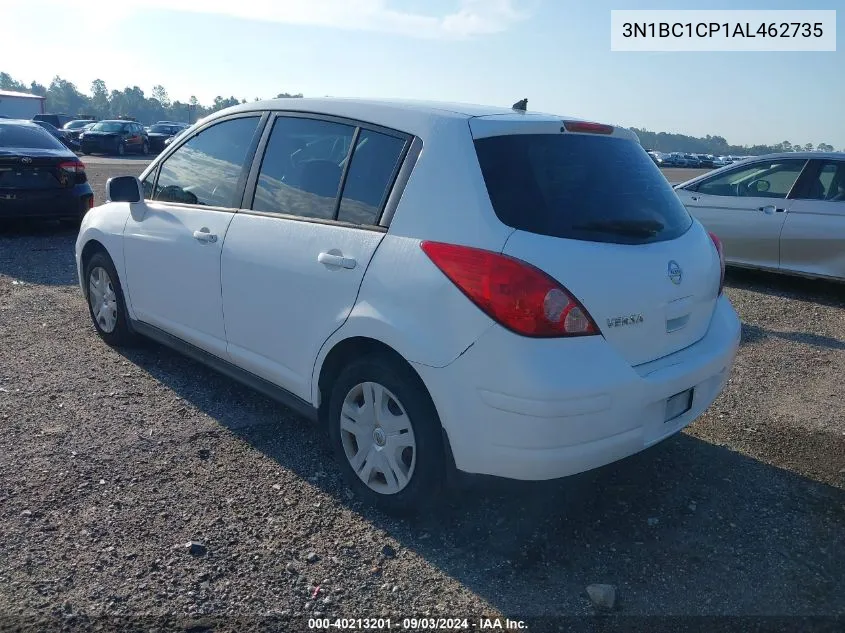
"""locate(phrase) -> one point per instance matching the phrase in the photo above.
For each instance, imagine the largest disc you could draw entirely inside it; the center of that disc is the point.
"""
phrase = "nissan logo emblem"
(26, 159)
(675, 272)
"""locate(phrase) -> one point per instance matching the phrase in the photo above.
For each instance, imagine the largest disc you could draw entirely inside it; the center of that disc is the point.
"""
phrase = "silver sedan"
(781, 212)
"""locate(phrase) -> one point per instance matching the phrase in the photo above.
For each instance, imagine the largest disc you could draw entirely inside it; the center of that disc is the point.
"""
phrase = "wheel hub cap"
(103, 299)
(378, 438)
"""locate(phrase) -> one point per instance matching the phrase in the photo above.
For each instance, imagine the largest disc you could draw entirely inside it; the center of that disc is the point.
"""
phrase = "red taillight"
(719, 249)
(90, 202)
(512, 292)
(587, 127)
(73, 166)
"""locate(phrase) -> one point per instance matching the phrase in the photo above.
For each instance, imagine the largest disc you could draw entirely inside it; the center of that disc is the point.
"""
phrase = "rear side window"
(26, 136)
(371, 173)
(580, 186)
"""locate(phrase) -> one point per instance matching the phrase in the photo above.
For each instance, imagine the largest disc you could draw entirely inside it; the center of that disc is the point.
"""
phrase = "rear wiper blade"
(636, 228)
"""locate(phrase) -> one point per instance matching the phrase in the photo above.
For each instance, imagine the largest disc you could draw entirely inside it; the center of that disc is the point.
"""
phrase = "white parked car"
(439, 285)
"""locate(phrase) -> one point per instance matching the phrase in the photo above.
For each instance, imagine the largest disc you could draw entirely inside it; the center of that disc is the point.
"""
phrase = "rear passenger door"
(814, 231)
(294, 258)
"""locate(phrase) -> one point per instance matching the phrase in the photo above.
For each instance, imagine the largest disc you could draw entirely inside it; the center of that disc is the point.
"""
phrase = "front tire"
(106, 304)
(386, 435)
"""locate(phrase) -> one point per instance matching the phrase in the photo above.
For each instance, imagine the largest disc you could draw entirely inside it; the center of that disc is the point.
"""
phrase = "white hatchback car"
(508, 293)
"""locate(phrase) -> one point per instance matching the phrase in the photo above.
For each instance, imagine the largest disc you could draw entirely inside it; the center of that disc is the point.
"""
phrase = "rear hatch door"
(595, 212)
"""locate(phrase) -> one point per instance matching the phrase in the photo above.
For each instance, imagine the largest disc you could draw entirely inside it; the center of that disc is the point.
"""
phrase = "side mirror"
(124, 189)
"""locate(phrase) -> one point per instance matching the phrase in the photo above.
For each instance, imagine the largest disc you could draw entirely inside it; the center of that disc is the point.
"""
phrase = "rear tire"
(391, 454)
(121, 149)
(145, 148)
(106, 304)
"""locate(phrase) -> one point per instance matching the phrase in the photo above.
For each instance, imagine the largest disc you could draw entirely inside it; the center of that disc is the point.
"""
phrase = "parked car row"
(681, 159)
(115, 136)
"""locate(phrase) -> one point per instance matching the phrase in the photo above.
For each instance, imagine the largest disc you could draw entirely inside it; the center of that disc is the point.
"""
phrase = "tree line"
(63, 97)
(718, 146)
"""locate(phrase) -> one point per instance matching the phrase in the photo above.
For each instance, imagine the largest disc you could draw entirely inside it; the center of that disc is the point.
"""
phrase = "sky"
(554, 52)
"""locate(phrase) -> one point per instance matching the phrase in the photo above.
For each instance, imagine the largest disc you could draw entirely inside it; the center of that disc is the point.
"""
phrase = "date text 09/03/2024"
(418, 624)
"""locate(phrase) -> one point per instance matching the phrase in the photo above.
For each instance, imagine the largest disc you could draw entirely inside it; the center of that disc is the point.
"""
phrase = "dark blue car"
(39, 176)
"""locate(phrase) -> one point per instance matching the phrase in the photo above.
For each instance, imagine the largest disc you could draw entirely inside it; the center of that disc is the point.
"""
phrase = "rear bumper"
(542, 409)
(55, 203)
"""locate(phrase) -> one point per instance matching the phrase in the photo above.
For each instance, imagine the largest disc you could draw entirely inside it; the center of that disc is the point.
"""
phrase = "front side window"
(207, 169)
(769, 179)
(303, 167)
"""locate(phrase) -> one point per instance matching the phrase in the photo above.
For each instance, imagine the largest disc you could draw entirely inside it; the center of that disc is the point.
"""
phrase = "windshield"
(75, 125)
(26, 136)
(163, 129)
(580, 186)
(108, 126)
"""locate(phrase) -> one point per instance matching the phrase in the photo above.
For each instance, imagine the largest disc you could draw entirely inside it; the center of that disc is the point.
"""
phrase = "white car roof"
(411, 116)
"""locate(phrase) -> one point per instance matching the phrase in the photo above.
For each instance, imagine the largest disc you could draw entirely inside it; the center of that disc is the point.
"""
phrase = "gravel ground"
(111, 462)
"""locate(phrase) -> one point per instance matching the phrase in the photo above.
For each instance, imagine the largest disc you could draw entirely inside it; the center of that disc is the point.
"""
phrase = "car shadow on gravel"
(686, 527)
(38, 252)
(755, 334)
(817, 291)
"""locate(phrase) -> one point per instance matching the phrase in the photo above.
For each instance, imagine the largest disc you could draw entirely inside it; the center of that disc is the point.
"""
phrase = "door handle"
(204, 235)
(335, 259)
(768, 209)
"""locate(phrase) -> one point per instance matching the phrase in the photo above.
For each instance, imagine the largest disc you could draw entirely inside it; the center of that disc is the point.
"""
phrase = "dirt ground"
(112, 461)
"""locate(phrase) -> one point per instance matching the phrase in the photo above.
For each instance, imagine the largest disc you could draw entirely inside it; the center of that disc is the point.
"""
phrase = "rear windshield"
(26, 136)
(580, 186)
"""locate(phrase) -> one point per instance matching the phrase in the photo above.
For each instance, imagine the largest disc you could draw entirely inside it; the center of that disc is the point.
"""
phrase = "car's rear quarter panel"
(405, 301)
(811, 239)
